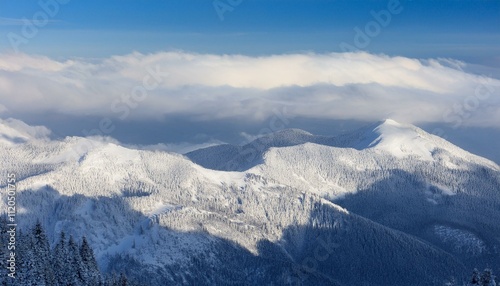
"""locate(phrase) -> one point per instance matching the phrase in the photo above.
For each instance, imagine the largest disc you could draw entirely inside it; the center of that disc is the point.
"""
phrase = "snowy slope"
(239, 158)
(404, 140)
(403, 178)
(388, 136)
(350, 162)
(395, 174)
(163, 217)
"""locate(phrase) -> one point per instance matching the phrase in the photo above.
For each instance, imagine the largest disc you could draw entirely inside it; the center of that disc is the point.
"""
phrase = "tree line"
(68, 262)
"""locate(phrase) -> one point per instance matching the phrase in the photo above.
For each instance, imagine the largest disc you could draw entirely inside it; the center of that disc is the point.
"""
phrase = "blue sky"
(466, 30)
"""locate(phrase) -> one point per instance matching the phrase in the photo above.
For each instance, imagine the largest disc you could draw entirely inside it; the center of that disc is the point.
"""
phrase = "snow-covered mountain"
(385, 137)
(388, 202)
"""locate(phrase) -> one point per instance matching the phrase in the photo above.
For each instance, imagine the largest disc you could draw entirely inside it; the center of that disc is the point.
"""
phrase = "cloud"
(354, 86)
(11, 22)
(18, 129)
(19, 22)
(250, 137)
(181, 148)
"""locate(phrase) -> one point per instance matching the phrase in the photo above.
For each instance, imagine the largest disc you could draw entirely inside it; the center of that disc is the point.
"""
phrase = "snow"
(85, 209)
(400, 141)
(462, 240)
(160, 207)
(218, 177)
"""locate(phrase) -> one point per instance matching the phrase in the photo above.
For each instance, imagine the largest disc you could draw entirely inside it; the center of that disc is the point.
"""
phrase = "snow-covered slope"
(170, 221)
(404, 178)
(395, 174)
(396, 139)
(228, 157)
(404, 140)
(387, 137)
(356, 160)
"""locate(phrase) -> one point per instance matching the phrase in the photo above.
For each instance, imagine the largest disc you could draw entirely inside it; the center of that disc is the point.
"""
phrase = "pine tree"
(123, 281)
(487, 278)
(75, 265)
(475, 277)
(67, 264)
(25, 257)
(112, 280)
(42, 264)
(61, 262)
(90, 270)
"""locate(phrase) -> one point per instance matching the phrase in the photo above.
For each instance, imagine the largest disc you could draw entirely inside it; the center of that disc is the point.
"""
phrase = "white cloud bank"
(357, 86)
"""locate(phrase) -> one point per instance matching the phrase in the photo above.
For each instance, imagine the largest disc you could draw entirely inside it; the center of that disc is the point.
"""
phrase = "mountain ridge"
(387, 136)
(159, 213)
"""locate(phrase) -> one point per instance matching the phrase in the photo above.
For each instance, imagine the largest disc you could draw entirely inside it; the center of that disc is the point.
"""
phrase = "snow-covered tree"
(475, 279)
(42, 264)
(90, 270)
(61, 261)
(123, 281)
(75, 265)
(487, 278)
(25, 259)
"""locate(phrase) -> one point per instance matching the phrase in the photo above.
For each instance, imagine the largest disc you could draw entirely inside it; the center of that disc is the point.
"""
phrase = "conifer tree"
(36, 264)
(487, 278)
(123, 281)
(42, 269)
(90, 271)
(24, 259)
(61, 262)
(75, 263)
(475, 277)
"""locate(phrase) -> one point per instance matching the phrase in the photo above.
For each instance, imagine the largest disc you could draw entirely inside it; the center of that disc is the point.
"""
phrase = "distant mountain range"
(388, 204)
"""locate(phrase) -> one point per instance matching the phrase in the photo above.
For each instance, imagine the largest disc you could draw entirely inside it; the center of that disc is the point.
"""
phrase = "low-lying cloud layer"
(357, 86)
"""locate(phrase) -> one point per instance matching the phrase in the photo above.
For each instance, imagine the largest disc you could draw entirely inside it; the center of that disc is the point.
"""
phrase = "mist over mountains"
(182, 98)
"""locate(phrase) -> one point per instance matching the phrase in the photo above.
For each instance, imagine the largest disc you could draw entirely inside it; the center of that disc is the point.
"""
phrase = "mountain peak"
(395, 138)
(390, 121)
(291, 133)
(286, 137)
